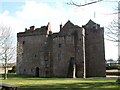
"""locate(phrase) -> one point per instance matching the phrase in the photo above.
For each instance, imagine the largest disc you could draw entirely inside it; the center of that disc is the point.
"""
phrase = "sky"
(21, 14)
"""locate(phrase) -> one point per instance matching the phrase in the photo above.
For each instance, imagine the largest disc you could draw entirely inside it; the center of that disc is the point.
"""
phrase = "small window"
(31, 70)
(60, 45)
(23, 42)
(24, 70)
(46, 64)
(46, 60)
(47, 72)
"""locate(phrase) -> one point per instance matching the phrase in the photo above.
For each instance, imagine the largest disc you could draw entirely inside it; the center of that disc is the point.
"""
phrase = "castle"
(73, 51)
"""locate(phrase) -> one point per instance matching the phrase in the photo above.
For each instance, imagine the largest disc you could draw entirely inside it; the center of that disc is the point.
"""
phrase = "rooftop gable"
(92, 24)
(68, 24)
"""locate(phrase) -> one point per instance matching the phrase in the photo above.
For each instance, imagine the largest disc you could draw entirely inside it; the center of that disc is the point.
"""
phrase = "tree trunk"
(5, 74)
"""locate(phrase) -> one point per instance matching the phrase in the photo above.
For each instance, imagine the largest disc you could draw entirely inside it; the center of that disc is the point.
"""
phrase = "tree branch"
(80, 5)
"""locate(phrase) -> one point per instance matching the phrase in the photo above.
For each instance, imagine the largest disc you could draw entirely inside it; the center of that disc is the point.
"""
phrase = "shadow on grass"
(58, 86)
(12, 75)
(15, 76)
(64, 86)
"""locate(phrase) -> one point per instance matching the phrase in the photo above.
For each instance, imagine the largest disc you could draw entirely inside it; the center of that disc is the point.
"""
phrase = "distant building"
(72, 51)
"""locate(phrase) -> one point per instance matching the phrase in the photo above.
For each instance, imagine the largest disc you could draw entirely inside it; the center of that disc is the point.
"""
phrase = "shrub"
(118, 81)
(13, 70)
(111, 67)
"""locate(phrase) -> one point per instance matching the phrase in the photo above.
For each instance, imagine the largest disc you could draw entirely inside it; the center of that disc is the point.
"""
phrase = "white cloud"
(11, 21)
(39, 14)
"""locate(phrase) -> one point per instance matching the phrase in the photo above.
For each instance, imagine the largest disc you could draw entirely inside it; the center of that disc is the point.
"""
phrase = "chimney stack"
(32, 28)
(60, 27)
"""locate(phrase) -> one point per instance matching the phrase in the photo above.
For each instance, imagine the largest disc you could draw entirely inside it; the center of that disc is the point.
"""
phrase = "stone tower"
(32, 54)
(94, 49)
(68, 51)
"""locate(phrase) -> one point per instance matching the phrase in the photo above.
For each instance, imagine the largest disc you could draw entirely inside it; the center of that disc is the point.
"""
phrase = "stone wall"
(30, 54)
(94, 50)
(63, 50)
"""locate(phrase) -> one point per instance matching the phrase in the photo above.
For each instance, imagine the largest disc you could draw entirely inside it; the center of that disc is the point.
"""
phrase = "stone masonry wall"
(63, 50)
(94, 52)
(32, 55)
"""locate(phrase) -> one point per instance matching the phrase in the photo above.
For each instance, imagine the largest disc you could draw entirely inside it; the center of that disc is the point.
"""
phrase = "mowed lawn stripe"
(30, 82)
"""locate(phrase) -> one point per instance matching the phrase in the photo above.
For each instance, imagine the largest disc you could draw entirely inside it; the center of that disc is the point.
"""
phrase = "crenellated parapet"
(32, 31)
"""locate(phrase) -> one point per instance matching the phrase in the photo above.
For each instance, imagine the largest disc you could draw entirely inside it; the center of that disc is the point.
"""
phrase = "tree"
(113, 30)
(87, 3)
(7, 49)
(110, 60)
(114, 35)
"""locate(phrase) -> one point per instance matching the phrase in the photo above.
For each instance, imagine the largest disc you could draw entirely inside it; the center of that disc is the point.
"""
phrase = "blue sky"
(21, 14)
(11, 6)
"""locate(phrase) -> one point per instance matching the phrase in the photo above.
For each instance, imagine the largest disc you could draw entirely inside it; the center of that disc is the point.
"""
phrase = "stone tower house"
(73, 51)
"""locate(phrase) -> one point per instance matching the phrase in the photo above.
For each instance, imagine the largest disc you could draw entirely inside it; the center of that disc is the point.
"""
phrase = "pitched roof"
(90, 22)
(68, 24)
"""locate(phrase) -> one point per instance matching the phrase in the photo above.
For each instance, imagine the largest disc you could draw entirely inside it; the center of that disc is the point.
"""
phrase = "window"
(31, 70)
(46, 64)
(60, 45)
(47, 72)
(23, 42)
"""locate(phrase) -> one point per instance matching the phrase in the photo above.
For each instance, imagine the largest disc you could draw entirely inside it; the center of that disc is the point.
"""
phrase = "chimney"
(32, 27)
(60, 27)
(25, 29)
(49, 26)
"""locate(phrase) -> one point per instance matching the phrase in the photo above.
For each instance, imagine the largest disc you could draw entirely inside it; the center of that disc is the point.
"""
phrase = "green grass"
(30, 83)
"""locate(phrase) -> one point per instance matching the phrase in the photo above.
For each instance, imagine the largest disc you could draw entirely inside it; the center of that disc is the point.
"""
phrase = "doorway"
(37, 72)
(71, 68)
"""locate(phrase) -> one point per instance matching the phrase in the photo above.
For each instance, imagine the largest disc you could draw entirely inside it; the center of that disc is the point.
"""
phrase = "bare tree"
(112, 32)
(81, 5)
(7, 49)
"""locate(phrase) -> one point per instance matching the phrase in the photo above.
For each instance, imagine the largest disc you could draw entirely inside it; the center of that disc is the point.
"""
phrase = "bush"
(118, 81)
(13, 70)
(111, 67)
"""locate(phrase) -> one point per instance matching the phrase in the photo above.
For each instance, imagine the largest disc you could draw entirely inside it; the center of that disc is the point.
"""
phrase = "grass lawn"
(29, 83)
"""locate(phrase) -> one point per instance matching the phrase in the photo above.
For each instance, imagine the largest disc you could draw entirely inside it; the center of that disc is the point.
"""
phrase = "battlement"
(67, 29)
(32, 31)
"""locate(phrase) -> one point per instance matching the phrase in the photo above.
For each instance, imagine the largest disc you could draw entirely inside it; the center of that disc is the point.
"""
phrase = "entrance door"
(37, 72)
(71, 68)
